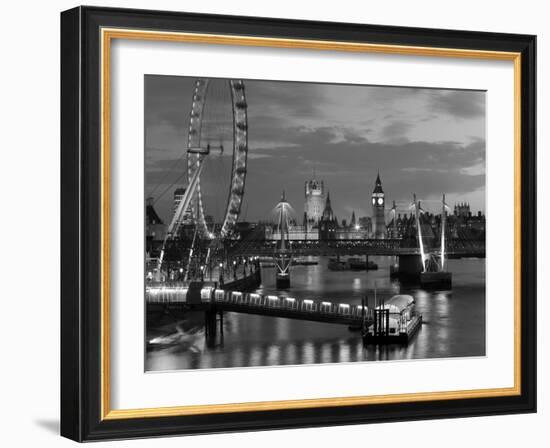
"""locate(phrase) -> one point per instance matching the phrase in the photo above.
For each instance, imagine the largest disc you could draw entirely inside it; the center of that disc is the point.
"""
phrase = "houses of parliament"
(320, 222)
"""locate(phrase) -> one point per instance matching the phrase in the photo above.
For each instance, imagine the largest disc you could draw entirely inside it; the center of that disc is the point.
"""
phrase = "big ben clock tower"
(378, 205)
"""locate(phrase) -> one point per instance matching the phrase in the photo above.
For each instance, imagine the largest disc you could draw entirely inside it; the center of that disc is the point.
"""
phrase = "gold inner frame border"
(107, 35)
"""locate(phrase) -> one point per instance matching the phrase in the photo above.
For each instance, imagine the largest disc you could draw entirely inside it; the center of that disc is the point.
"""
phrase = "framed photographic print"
(274, 224)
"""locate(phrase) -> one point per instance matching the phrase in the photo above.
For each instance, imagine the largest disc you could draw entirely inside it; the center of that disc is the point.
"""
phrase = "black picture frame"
(81, 381)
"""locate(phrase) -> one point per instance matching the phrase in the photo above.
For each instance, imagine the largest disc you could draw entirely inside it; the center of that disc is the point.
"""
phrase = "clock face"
(380, 201)
(373, 201)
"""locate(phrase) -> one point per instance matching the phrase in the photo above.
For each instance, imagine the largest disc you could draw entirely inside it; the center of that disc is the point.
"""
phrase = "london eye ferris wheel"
(217, 151)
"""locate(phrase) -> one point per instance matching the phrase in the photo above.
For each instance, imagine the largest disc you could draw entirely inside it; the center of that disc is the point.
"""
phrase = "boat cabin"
(393, 317)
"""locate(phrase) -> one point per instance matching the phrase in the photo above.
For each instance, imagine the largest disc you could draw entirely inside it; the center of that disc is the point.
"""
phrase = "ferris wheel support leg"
(187, 197)
(180, 211)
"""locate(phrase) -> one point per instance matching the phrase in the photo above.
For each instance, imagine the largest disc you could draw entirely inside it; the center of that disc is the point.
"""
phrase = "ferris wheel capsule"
(198, 150)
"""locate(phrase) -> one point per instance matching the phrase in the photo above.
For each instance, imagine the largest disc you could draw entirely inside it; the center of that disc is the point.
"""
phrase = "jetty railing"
(268, 304)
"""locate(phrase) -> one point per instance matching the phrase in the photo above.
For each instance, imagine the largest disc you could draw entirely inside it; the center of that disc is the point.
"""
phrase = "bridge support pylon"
(282, 279)
(408, 266)
(210, 323)
(283, 254)
(409, 269)
(211, 320)
(427, 268)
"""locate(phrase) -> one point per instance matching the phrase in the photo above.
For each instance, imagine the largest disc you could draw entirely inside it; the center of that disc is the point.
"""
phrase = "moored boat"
(335, 264)
(395, 321)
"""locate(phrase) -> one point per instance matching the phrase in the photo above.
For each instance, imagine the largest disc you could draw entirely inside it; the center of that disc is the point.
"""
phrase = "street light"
(221, 274)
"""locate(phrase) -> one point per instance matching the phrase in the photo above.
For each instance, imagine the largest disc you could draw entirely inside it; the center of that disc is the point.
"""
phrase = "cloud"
(284, 99)
(458, 103)
(396, 129)
(256, 155)
(385, 94)
(168, 100)
(347, 133)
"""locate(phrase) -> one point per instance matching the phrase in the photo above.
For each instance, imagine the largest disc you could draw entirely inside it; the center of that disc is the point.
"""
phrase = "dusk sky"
(428, 141)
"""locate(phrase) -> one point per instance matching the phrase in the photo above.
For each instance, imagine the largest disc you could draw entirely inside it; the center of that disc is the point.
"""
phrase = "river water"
(453, 323)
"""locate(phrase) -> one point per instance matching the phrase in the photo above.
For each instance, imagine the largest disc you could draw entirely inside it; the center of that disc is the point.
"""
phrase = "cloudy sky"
(427, 141)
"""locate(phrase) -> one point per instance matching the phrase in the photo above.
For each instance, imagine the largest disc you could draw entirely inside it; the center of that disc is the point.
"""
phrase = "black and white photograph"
(292, 223)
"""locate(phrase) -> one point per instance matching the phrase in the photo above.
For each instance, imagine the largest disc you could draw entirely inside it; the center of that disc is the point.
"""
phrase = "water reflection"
(454, 324)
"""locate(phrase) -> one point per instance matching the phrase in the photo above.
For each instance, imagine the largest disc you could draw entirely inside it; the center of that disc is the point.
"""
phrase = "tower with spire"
(314, 191)
(378, 202)
(328, 222)
(462, 209)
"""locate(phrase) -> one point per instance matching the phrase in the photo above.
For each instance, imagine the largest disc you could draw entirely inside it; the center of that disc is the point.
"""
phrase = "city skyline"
(403, 207)
(423, 141)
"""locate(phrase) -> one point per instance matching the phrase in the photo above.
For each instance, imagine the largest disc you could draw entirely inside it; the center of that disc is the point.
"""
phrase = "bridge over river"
(455, 248)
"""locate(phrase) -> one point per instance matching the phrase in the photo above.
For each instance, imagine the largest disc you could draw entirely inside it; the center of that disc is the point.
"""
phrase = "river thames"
(453, 323)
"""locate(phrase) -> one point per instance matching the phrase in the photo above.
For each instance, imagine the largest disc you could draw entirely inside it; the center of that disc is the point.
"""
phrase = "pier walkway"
(208, 298)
